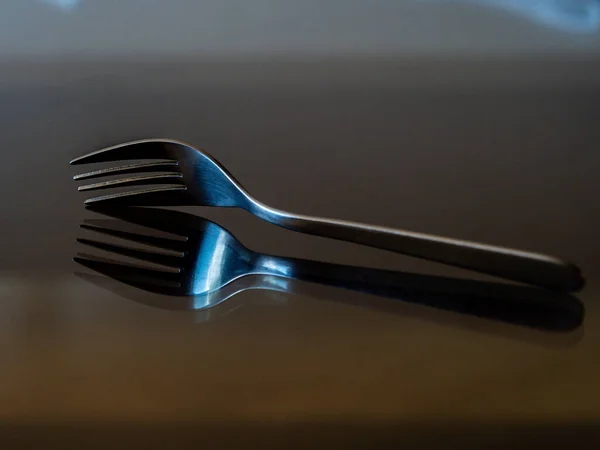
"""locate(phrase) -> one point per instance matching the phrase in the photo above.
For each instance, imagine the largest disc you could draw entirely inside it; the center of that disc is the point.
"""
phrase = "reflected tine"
(166, 195)
(144, 149)
(172, 262)
(157, 178)
(130, 168)
(164, 243)
(128, 273)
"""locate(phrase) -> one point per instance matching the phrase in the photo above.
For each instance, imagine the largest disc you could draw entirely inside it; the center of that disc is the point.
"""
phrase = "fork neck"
(267, 213)
(272, 265)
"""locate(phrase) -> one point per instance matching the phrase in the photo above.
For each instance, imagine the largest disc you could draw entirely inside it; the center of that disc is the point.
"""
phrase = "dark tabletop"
(502, 150)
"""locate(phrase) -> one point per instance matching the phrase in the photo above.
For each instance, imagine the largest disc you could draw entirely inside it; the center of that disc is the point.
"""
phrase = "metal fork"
(188, 176)
(197, 264)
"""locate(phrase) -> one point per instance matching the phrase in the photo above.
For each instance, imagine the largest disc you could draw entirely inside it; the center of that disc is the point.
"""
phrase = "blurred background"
(291, 28)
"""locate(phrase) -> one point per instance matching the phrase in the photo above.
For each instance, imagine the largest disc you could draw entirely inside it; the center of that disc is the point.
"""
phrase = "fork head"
(171, 173)
(198, 257)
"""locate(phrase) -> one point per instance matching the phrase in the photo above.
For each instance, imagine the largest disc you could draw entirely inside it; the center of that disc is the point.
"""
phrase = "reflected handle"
(515, 304)
(531, 268)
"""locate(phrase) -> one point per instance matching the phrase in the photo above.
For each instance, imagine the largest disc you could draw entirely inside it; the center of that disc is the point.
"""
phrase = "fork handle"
(517, 265)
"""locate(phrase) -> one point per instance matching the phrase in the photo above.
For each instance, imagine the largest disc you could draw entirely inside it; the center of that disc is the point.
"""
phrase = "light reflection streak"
(64, 5)
(576, 16)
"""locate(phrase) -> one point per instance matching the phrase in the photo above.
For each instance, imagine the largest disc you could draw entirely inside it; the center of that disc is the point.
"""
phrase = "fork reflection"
(199, 265)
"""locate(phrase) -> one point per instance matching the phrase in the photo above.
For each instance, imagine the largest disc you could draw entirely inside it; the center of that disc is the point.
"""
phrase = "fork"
(174, 173)
(199, 264)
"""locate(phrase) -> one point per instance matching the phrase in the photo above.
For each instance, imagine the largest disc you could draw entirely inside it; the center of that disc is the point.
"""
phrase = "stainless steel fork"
(188, 176)
(197, 264)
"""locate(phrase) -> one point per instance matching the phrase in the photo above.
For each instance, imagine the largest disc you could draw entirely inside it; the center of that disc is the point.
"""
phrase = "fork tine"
(143, 149)
(173, 194)
(168, 260)
(157, 178)
(130, 168)
(128, 273)
(162, 243)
